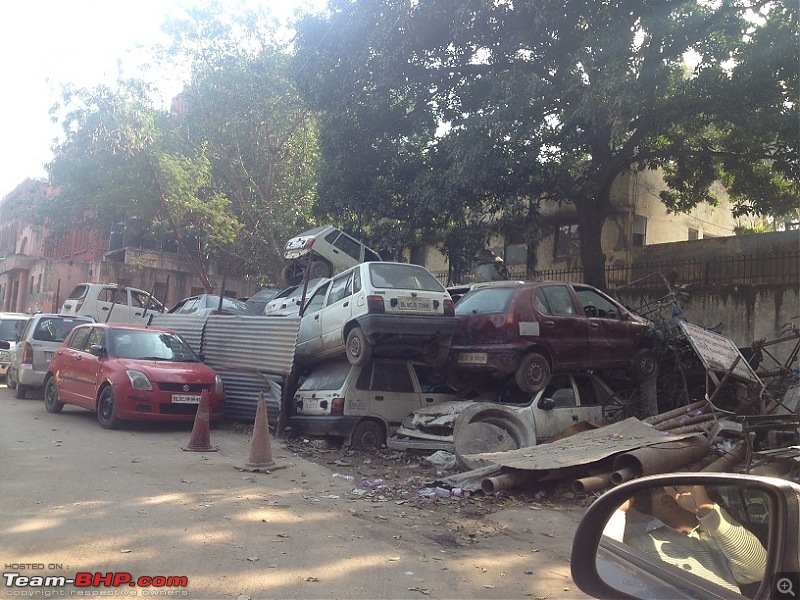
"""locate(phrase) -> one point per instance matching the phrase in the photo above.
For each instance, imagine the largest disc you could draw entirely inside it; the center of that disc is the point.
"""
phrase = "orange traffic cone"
(260, 450)
(200, 440)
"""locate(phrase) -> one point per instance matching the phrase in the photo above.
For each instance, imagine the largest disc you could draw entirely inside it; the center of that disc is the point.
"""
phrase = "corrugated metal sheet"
(247, 351)
(241, 394)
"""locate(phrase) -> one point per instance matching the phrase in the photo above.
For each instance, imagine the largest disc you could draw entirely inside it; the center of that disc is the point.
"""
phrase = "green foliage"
(553, 101)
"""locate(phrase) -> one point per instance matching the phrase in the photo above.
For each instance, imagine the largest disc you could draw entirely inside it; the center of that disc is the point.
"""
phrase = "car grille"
(183, 388)
(177, 409)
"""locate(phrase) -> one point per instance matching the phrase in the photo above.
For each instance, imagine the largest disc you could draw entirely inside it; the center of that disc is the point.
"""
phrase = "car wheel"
(367, 435)
(320, 269)
(644, 364)
(622, 406)
(107, 409)
(21, 390)
(358, 347)
(533, 373)
(293, 273)
(51, 403)
(11, 383)
(436, 354)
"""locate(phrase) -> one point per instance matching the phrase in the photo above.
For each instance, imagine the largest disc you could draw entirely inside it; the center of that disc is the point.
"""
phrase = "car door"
(87, 369)
(112, 305)
(336, 312)
(611, 338)
(385, 389)
(309, 337)
(558, 326)
(142, 305)
(555, 408)
(65, 364)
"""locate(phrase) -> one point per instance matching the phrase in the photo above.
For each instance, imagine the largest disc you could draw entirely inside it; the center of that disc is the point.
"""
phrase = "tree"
(241, 106)
(116, 162)
(553, 101)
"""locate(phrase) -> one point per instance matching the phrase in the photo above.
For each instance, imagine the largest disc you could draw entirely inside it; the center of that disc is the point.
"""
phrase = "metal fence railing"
(749, 269)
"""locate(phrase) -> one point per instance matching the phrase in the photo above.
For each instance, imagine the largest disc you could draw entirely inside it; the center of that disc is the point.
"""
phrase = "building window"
(639, 230)
(694, 234)
(568, 241)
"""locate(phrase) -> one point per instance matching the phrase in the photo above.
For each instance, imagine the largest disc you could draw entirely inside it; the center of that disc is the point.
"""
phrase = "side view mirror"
(4, 345)
(546, 403)
(97, 350)
(691, 535)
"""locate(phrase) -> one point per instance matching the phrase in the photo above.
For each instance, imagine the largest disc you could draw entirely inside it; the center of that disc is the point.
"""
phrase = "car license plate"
(185, 399)
(472, 358)
(414, 303)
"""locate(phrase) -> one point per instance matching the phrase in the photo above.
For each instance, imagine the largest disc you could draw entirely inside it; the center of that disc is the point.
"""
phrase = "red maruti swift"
(125, 372)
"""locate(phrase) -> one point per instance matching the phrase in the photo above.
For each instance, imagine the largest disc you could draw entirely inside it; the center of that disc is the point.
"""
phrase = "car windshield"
(327, 377)
(404, 277)
(150, 345)
(55, 329)
(11, 328)
(488, 301)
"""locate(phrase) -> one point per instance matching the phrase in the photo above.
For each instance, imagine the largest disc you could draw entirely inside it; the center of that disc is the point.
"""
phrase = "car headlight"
(218, 388)
(139, 380)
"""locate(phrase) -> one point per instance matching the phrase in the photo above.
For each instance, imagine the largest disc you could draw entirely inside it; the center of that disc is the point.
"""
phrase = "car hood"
(173, 372)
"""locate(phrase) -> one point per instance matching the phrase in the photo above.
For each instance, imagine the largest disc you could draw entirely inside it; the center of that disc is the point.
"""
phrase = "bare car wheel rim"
(355, 347)
(534, 374)
(106, 406)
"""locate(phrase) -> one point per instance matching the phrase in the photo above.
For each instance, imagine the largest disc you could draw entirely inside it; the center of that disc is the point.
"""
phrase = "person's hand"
(693, 498)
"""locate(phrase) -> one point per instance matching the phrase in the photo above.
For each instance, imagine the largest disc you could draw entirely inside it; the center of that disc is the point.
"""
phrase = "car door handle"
(104, 308)
(76, 358)
(429, 400)
(548, 324)
(378, 397)
(594, 324)
(575, 418)
(138, 314)
(346, 304)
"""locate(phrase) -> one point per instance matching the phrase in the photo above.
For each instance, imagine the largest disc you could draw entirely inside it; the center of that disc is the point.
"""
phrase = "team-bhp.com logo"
(88, 584)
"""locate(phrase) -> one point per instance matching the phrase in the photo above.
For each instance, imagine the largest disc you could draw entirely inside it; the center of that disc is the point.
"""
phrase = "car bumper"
(29, 377)
(379, 327)
(338, 426)
(159, 408)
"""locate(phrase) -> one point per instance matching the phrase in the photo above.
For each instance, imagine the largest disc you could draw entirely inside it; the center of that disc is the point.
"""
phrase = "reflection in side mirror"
(709, 535)
(688, 536)
(97, 350)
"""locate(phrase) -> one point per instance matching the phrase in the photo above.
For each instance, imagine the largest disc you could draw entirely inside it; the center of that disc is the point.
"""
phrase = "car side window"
(348, 245)
(595, 305)
(78, 339)
(317, 301)
(555, 300)
(432, 381)
(561, 391)
(331, 237)
(97, 337)
(586, 391)
(113, 295)
(356, 281)
(190, 306)
(338, 290)
(391, 377)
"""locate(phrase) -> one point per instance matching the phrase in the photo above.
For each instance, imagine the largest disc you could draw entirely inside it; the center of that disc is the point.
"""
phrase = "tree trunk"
(590, 228)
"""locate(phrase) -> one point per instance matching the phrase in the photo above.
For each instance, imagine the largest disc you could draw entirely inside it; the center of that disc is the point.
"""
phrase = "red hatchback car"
(530, 330)
(125, 372)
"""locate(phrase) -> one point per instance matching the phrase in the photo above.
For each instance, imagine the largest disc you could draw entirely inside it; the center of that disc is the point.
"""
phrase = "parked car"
(333, 252)
(568, 399)
(364, 404)
(621, 551)
(381, 308)
(259, 300)
(11, 325)
(288, 302)
(124, 372)
(204, 305)
(531, 330)
(42, 336)
(111, 303)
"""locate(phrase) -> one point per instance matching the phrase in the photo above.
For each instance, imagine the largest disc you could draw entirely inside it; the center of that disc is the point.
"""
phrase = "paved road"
(79, 499)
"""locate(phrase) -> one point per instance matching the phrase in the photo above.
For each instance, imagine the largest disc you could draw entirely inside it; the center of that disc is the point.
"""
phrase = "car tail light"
(27, 354)
(375, 304)
(337, 406)
(449, 308)
(78, 304)
(309, 243)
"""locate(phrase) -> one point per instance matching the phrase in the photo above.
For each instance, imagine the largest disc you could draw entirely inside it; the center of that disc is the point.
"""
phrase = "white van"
(365, 404)
(111, 303)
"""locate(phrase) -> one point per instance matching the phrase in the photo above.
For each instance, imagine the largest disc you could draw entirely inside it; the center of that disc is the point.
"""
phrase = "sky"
(45, 44)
